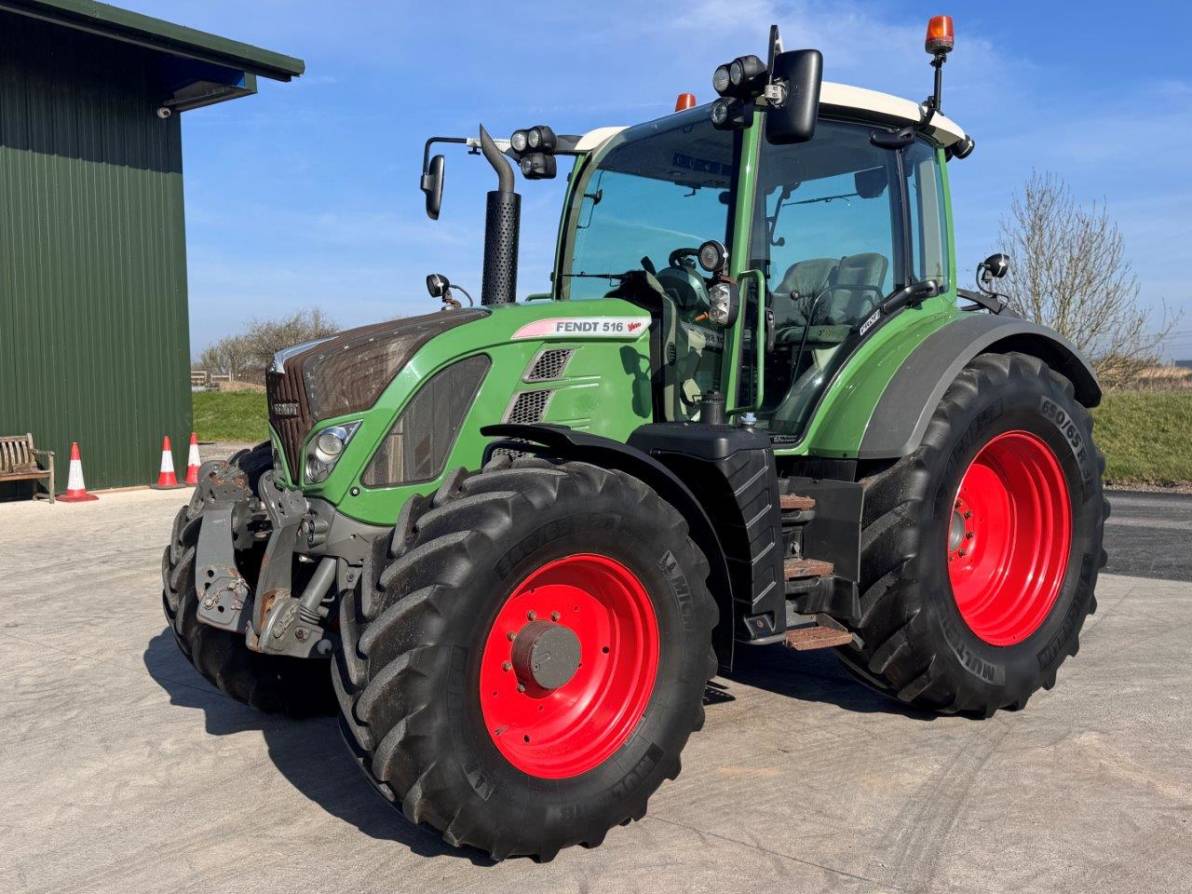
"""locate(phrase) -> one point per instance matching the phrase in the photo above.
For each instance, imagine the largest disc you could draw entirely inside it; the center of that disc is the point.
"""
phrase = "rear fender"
(903, 411)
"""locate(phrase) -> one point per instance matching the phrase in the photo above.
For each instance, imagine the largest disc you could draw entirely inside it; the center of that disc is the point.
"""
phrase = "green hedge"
(1146, 436)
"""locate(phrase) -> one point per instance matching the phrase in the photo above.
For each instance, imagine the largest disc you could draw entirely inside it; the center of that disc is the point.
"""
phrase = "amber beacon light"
(941, 35)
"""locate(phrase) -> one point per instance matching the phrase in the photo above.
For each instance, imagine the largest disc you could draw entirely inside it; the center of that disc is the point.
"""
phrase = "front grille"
(288, 412)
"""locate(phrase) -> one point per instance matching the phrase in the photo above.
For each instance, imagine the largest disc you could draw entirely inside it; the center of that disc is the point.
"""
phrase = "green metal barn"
(94, 341)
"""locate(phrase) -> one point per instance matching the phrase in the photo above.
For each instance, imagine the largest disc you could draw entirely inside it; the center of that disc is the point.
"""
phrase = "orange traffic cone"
(76, 489)
(192, 461)
(166, 479)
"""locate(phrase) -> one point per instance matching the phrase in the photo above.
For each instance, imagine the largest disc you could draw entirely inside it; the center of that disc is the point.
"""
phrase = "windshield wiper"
(616, 276)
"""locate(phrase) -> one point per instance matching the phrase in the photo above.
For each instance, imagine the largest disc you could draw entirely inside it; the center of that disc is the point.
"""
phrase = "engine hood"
(347, 372)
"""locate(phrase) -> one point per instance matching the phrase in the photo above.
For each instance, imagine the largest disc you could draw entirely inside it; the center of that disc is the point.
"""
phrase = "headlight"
(326, 449)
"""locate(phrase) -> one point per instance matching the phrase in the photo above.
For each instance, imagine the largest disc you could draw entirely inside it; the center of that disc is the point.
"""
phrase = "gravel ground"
(121, 770)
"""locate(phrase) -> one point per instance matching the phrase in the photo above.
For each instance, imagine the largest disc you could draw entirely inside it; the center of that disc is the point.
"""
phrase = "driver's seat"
(856, 287)
(803, 281)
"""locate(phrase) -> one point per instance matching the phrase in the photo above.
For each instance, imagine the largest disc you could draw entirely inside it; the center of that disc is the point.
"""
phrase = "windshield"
(658, 187)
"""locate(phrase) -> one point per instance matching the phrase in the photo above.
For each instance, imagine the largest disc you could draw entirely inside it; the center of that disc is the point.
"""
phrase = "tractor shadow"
(309, 753)
(806, 676)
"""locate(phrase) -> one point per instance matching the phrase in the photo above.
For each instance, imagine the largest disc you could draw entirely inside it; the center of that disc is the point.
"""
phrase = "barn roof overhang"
(196, 68)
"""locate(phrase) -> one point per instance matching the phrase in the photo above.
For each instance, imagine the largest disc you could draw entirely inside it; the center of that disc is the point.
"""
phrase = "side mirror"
(436, 283)
(432, 185)
(798, 73)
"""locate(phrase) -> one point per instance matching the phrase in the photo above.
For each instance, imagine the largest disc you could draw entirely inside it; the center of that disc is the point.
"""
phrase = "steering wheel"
(684, 283)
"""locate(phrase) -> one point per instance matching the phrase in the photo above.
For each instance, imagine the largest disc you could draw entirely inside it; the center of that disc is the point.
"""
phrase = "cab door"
(837, 225)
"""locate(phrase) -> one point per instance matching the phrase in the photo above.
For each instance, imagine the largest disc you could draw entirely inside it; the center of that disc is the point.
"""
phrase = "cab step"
(796, 503)
(801, 569)
(807, 639)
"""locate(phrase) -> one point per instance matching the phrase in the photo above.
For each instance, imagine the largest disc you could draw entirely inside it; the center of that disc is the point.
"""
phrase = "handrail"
(759, 335)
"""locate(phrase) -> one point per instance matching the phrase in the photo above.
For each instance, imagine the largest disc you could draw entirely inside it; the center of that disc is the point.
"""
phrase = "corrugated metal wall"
(94, 342)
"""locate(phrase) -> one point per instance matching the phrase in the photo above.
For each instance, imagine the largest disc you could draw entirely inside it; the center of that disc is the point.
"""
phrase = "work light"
(519, 141)
(720, 80)
(541, 139)
(727, 113)
(745, 74)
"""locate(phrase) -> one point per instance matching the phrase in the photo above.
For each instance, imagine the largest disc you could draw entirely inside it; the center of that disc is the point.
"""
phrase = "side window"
(831, 227)
(929, 231)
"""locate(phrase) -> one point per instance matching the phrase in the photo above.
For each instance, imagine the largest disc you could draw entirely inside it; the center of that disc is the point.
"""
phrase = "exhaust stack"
(502, 224)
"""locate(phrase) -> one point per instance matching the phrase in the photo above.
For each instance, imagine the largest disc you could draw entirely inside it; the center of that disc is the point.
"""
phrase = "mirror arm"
(431, 142)
(916, 293)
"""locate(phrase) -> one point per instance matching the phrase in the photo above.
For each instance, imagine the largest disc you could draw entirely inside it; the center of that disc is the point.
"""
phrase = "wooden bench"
(18, 462)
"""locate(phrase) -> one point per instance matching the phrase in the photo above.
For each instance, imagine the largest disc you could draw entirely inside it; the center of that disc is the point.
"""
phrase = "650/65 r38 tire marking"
(569, 666)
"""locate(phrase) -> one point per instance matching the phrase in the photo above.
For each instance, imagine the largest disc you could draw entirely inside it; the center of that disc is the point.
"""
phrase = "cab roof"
(842, 99)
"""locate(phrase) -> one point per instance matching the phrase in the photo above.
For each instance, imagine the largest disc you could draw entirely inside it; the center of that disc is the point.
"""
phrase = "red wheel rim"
(555, 732)
(1009, 537)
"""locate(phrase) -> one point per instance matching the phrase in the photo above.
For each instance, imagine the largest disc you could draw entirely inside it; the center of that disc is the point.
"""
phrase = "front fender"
(609, 454)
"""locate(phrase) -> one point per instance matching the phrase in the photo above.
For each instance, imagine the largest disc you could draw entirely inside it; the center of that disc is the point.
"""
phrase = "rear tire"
(936, 639)
(426, 672)
(270, 683)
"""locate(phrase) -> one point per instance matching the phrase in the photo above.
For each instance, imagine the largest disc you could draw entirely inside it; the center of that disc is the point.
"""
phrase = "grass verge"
(237, 416)
(1146, 436)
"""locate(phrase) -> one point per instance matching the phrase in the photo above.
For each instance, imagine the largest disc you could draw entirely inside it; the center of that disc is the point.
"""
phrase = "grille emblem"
(285, 408)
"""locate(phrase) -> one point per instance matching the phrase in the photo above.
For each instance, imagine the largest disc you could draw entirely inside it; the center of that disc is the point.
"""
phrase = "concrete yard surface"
(122, 770)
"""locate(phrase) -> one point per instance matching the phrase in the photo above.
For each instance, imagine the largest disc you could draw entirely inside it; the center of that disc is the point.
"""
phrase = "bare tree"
(1070, 272)
(229, 356)
(246, 357)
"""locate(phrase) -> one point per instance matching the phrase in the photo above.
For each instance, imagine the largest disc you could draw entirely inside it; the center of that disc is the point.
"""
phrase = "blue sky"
(306, 195)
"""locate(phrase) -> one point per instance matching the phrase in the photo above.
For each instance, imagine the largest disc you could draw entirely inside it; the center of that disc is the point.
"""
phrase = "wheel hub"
(1009, 537)
(569, 665)
(546, 654)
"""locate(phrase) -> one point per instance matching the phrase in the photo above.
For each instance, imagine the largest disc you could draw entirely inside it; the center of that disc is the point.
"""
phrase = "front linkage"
(280, 600)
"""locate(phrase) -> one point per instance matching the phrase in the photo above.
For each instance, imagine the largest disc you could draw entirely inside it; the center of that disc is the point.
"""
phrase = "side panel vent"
(549, 365)
(528, 407)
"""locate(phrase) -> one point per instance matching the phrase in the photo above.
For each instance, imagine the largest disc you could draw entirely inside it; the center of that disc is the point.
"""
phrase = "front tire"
(525, 670)
(980, 551)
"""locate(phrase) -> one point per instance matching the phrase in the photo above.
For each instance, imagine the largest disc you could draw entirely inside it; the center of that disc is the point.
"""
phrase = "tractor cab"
(770, 234)
(809, 239)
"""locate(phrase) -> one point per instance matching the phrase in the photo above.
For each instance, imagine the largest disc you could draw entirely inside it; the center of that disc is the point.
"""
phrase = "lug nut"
(511, 636)
(521, 687)
(554, 616)
(531, 614)
(506, 666)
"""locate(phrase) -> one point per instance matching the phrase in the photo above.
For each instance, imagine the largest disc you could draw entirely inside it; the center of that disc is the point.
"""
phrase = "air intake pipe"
(502, 223)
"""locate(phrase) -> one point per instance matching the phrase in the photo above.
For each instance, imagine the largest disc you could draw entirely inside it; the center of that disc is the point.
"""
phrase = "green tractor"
(755, 408)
